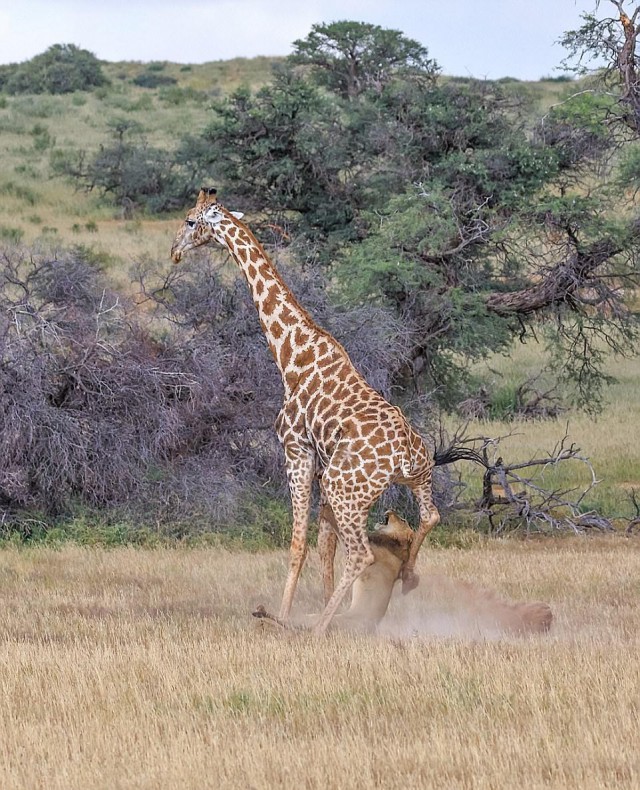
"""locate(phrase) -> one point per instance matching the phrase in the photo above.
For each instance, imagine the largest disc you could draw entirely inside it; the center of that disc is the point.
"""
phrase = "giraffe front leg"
(300, 466)
(429, 517)
(327, 541)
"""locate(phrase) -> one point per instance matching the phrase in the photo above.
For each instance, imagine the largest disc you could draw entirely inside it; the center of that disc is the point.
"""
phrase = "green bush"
(83, 526)
(63, 68)
(137, 104)
(557, 78)
(18, 191)
(42, 138)
(504, 402)
(265, 519)
(175, 95)
(38, 106)
(12, 235)
(11, 124)
(150, 80)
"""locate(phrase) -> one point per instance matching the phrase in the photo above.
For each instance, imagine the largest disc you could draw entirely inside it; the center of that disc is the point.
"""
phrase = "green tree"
(443, 202)
(131, 172)
(606, 45)
(284, 150)
(350, 58)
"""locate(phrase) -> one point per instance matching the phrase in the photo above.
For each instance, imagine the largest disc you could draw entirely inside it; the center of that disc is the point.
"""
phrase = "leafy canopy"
(350, 58)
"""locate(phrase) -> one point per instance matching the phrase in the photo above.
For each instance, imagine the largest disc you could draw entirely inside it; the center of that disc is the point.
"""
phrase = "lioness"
(481, 610)
(371, 592)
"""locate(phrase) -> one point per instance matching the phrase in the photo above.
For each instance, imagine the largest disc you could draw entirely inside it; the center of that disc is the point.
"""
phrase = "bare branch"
(511, 499)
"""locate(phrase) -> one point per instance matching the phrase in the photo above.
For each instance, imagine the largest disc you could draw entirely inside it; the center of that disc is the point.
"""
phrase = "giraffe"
(333, 426)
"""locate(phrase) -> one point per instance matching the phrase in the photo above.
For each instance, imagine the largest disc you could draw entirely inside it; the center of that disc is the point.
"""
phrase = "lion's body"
(454, 607)
(371, 591)
(479, 610)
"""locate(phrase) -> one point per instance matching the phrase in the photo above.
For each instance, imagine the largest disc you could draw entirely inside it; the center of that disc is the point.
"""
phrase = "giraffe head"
(205, 223)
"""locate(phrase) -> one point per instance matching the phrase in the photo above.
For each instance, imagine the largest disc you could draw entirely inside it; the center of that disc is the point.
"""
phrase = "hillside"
(36, 207)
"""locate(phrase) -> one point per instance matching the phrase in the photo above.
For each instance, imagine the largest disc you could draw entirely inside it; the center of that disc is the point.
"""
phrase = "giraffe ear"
(237, 214)
(213, 215)
(206, 195)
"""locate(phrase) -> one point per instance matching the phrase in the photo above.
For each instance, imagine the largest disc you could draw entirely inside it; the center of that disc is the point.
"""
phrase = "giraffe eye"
(191, 223)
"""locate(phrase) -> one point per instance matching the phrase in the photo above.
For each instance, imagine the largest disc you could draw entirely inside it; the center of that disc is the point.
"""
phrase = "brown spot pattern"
(270, 301)
(285, 353)
(305, 358)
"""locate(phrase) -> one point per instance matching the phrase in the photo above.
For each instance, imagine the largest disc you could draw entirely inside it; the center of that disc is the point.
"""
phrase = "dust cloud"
(445, 607)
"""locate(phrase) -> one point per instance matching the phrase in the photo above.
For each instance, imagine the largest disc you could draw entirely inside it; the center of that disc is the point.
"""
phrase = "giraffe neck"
(295, 340)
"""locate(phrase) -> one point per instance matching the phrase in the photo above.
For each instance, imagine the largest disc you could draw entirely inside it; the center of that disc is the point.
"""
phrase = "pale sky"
(480, 38)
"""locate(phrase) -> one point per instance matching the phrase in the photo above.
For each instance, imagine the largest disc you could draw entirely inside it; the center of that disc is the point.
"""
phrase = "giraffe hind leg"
(352, 531)
(300, 473)
(429, 517)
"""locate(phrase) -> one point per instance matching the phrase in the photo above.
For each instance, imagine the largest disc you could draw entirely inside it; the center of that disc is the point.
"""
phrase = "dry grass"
(142, 669)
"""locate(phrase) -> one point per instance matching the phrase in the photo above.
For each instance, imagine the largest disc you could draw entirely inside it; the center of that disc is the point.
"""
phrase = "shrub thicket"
(172, 424)
(63, 68)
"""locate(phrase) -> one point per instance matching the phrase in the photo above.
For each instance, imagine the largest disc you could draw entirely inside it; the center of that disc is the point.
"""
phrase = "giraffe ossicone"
(333, 426)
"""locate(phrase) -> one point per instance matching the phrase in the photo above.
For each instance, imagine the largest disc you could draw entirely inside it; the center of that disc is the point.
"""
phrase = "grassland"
(37, 208)
(136, 668)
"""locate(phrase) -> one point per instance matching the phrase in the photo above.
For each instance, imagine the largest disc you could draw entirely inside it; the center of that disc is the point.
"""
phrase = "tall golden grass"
(135, 668)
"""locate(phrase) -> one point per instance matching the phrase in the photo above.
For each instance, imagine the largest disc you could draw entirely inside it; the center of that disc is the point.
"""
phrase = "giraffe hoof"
(410, 581)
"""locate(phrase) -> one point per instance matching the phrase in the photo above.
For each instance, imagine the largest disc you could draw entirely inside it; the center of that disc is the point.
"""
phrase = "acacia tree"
(129, 171)
(443, 202)
(350, 58)
(62, 68)
(607, 44)
(285, 150)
